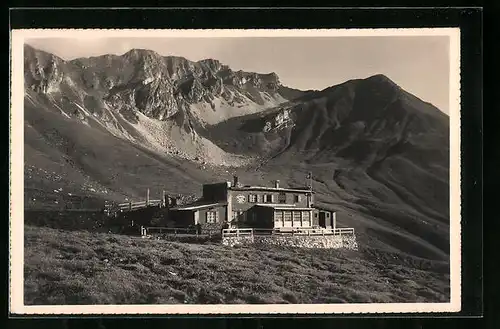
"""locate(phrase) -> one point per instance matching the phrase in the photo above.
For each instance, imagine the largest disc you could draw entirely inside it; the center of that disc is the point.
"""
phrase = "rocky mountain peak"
(43, 71)
(212, 64)
(138, 53)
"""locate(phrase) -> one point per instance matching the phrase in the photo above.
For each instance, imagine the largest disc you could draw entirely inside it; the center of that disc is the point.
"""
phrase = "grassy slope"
(83, 268)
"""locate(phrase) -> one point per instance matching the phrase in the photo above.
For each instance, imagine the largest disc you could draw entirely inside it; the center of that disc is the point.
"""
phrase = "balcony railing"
(292, 231)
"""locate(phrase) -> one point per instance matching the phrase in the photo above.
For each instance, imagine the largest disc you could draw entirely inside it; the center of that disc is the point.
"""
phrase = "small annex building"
(199, 212)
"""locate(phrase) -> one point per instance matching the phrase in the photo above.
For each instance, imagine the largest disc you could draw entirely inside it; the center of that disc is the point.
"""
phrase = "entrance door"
(238, 218)
(321, 221)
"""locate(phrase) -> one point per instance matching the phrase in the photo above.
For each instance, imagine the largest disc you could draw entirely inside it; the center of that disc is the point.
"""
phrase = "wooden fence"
(130, 206)
(157, 230)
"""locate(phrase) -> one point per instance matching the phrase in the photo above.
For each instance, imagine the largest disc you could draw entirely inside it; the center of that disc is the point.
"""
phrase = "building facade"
(231, 204)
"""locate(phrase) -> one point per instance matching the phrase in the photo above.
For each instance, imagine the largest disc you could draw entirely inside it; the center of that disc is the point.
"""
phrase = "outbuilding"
(202, 213)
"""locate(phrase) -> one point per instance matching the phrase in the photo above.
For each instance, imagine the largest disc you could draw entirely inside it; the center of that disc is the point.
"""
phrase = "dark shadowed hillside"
(376, 151)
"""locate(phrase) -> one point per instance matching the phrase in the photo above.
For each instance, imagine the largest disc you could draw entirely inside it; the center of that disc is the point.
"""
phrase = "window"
(212, 217)
(259, 198)
(268, 198)
(282, 198)
(306, 219)
(296, 198)
(288, 216)
(252, 198)
(296, 216)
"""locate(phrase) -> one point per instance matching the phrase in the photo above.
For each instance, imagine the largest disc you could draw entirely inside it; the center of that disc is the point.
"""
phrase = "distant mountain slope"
(371, 146)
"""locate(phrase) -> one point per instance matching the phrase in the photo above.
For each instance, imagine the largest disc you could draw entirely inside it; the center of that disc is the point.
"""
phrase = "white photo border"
(16, 220)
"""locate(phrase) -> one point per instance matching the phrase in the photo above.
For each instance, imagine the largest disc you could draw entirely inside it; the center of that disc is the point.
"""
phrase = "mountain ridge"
(114, 91)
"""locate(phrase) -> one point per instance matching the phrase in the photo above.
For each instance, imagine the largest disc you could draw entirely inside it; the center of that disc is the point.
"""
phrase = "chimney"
(235, 181)
(277, 183)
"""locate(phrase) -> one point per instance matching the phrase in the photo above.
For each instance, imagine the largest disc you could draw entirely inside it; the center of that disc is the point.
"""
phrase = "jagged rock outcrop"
(283, 118)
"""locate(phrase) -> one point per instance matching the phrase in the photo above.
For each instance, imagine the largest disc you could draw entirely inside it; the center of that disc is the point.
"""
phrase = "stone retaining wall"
(238, 241)
(323, 242)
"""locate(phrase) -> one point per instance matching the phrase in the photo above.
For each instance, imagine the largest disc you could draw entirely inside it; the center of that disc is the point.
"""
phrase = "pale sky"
(419, 64)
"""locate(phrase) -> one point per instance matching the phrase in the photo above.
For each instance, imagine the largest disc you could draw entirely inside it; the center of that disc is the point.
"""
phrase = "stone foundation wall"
(237, 241)
(323, 242)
